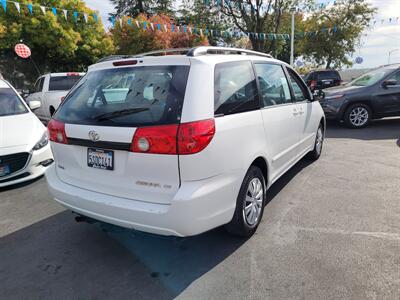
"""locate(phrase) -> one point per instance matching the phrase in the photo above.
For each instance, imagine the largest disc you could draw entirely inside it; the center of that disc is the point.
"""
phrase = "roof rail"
(204, 50)
(164, 52)
(114, 57)
(196, 51)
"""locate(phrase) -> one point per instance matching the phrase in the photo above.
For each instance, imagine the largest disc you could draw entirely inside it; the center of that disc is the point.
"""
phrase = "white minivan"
(182, 143)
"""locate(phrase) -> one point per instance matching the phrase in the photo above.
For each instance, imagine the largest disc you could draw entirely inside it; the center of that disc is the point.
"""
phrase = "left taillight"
(56, 131)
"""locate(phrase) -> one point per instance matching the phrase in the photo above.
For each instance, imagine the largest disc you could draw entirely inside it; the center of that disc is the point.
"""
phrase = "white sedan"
(25, 152)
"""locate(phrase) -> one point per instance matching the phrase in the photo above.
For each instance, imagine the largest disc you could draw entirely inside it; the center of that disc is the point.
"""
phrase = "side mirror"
(33, 105)
(389, 82)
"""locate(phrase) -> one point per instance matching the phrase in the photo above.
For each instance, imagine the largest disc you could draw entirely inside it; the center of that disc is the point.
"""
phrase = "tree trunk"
(328, 63)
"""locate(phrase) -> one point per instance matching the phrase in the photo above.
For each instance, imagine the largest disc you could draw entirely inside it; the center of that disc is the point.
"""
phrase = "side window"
(396, 77)
(274, 88)
(299, 90)
(40, 85)
(234, 88)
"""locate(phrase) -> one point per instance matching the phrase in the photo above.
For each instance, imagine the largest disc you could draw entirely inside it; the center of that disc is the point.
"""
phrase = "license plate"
(100, 159)
(4, 170)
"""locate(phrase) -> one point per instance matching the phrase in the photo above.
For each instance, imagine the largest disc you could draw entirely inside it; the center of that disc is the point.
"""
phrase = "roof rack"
(204, 50)
(192, 52)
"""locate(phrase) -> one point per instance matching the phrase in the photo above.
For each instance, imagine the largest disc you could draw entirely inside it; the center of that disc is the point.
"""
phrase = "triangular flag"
(96, 19)
(54, 10)
(152, 26)
(144, 25)
(137, 24)
(112, 20)
(129, 22)
(159, 27)
(30, 8)
(75, 16)
(165, 27)
(65, 14)
(17, 6)
(4, 4)
(190, 30)
(172, 28)
(43, 9)
(85, 16)
(120, 22)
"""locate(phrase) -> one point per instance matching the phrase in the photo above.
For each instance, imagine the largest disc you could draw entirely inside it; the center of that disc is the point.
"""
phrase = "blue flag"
(75, 16)
(54, 11)
(95, 18)
(112, 19)
(4, 3)
(30, 8)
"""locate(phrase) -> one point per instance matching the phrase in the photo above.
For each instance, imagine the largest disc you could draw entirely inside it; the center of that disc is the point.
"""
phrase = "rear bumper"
(197, 207)
(32, 170)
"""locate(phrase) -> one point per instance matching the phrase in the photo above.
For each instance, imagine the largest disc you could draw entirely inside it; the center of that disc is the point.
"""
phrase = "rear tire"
(249, 204)
(52, 111)
(357, 115)
(319, 142)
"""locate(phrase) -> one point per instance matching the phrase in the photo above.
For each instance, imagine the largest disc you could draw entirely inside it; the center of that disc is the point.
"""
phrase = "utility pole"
(293, 10)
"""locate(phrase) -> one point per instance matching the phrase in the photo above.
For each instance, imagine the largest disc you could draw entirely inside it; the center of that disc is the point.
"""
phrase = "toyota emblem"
(94, 136)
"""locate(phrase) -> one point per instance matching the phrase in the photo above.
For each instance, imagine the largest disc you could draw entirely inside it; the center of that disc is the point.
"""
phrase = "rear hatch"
(97, 122)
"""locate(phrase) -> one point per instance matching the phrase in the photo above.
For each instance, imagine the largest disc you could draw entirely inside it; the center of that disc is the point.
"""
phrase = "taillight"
(186, 138)
(56, 131)
(155, 139)
(193, 137)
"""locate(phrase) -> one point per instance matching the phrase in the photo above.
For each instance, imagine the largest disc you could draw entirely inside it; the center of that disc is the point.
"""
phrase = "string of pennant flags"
(68, 14)
(240, 4)
(214, 32)
(127, 21)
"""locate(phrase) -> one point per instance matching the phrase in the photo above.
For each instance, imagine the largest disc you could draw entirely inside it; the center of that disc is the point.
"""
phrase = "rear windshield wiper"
(119, 113)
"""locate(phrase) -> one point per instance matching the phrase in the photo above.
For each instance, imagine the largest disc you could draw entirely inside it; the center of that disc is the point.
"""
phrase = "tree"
(57, 44)
(134, 8)
(129, 39)
(340, 28)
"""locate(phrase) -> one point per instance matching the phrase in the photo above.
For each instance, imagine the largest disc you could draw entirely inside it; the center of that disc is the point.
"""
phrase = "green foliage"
(132, 40)
(134, 8)
(57, 44)
(351, 17)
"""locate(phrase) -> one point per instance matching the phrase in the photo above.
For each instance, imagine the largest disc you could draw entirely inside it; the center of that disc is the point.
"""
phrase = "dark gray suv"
(373, 95)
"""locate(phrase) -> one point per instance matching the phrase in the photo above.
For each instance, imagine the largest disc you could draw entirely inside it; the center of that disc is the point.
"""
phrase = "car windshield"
(10, 103)
(127, 97)
(371, 78)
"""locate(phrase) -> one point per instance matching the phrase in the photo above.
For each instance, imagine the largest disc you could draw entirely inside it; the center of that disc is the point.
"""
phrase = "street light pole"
(293, 10)
(390, 54)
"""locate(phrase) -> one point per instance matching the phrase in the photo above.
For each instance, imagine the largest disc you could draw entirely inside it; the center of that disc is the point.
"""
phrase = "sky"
(376, 43)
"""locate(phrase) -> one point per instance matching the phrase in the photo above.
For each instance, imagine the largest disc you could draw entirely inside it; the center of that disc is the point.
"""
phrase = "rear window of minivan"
(63, 83)
(127, 97)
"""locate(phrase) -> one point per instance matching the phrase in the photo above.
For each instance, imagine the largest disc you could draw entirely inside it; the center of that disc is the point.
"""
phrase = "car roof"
(203, 54)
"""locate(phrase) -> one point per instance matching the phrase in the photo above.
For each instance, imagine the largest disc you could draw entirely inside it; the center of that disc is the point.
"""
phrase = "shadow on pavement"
(58, 258)
(386, 129)
(20, 185)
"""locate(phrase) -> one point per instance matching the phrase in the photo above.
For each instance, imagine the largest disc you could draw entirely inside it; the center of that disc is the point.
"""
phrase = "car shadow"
(20, 185)
(385, 129)
(59, 258)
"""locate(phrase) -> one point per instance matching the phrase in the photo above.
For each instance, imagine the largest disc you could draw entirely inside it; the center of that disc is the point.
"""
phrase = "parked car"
(322, 79)
(24, 146)
(180, 144)
(50, 90)
(373, 95)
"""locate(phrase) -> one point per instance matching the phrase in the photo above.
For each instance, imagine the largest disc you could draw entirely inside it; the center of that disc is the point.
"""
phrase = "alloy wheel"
(359, 116)
(253, 203)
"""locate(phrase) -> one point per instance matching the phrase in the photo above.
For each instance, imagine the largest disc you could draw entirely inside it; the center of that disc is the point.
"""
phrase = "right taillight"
(186, 138)
(193, 137)
(56, 131)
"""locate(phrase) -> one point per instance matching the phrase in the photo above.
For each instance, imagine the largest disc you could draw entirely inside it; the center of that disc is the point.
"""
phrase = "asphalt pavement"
(331, 230)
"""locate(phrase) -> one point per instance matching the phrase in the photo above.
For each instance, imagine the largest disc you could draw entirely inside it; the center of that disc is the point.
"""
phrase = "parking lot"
(331, 230)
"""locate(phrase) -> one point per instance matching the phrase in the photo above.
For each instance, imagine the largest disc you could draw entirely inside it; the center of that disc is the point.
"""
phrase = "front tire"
(249, 204)
(357, 116)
